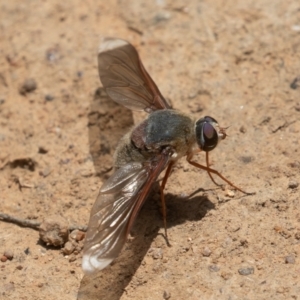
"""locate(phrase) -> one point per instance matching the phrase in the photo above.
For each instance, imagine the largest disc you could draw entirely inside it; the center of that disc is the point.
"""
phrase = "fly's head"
(208, 133)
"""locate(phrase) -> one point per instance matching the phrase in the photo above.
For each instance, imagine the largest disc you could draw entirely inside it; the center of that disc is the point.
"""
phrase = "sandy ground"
(237, 61)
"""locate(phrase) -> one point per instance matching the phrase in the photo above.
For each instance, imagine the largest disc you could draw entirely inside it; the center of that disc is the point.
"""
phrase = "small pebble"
(246, 271)
(167, 295)
(54, 230)
(8, 254)
(246, 159)
(19, 267)
(229, 193)
(290, 259)
(293, 184)
(192, 95)
(157, 253)
(3, 258)
(2, 101)
(243, 129)
(244, 243)
(29, 85)
(161, 16)
(46, 172)
(49, 97)
(86, 173)
(72, 258)
(226, 275)
(213, 268)
(73, 235)
(7, 287)
(80, 235)
(295, 84)
(206, 252)
(68, 248)
(42, 150)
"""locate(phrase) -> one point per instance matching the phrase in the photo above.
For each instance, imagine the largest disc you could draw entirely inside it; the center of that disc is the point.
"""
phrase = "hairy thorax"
(163, 128)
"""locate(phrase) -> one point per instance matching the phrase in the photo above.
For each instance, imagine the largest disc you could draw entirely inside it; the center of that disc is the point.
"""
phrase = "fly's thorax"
(164, 128)
(208, 133)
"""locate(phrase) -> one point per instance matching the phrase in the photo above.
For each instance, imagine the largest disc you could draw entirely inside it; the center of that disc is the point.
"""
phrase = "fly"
(142, 154)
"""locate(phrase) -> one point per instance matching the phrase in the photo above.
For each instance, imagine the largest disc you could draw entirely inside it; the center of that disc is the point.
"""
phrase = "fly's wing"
(118, 202)
(125, 79)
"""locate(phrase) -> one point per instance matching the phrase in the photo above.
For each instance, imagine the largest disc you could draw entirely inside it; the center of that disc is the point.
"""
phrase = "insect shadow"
(106, 117)
(111, 282)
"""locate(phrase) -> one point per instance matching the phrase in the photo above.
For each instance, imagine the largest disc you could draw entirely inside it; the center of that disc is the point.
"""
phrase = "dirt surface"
(237, 61)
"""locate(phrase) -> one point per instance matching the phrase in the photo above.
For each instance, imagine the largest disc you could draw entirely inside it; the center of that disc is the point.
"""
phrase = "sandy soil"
(234, 60)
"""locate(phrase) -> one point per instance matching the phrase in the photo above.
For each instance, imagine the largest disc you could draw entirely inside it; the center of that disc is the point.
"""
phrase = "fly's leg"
(162, 196)
(207, 164)
(209, 171)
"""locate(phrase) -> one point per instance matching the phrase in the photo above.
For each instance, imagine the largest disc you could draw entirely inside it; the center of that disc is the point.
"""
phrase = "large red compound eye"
(206, 134)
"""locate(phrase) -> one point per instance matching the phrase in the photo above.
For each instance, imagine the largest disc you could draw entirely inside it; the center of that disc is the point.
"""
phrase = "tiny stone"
(3, 258)
(186, 168)
(86, 173)
(295, 84)
(246, 159)
(226, 275)
(40, 285)
(193, 95)
(244, 243)
(293, 184)
(246, 271)
(161, 16)
(73, 235)
(213, 268)
(167, 295)
(206, 252)
(290, 259)
(297, 235)
(7, 287)
(49, 97)
(19, 267)
(72, 258)
(280, 290)
(46, 172)
(2, 101)
(229, 193)
(80, 235)
(243, 129)
(157, 253)
(68, 248)
(43, 150)
(54, 230)
(8, 254)
(29, 85)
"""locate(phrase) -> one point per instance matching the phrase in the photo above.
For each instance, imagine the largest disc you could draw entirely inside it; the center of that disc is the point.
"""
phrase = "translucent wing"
(112, 216)
(125, 79)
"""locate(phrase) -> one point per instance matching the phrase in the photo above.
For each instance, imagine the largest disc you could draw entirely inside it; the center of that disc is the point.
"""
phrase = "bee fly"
(142, 154)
